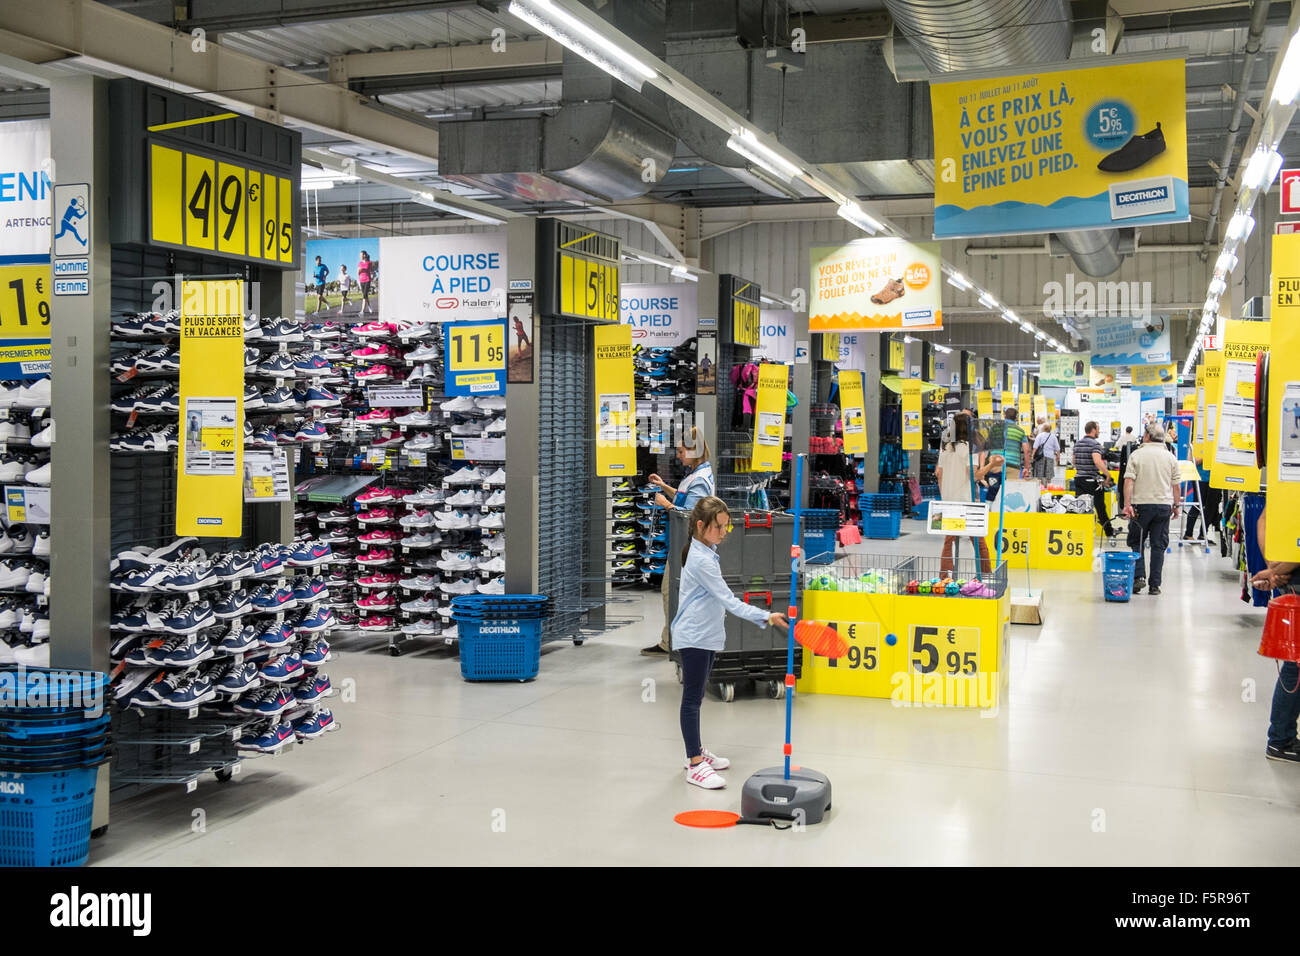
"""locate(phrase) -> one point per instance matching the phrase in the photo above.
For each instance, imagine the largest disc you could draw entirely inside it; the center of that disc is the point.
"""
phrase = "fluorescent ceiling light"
(746, 144)
(683, 273)
(958, 281)
(427, 199)
(908, 339)
(1026, 327)
(1287, 85)
(1040, 335)
(1010, 316)
(856, 215)
(1217, 286)
(1240, 225)
(988, 301)
(317, 183)
(942, 348)
(1262, 169)
(568, 30)
(1226, 262)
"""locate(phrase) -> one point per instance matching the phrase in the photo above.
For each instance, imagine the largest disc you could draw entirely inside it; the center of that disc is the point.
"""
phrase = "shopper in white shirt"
(1152, 495)
(703, 602)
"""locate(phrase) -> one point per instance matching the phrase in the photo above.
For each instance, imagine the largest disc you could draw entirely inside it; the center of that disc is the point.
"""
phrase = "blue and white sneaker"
(124, 645)
(233, 566)
(317, 619)
(274, 739)
(155, 694)
(169, 324)
(311, 432)
(309, 554)
(322, 398)
(309, 590)
(274, 702)
(659, 554)
(239, 678)
(190, 577)
(152, 654)
(196, 690)
(233, 605)
(317, 654)
(253, 398)
(282, 668)
(312, 365)
(280, 399)
(251, 357)
(132, 327)
(239, 639)
(193, 618)
(282, 331)
(190, 653)
(267, 561)
(275, 635)
(147, 580)
(277, 366)
(171, 362)
(315, 725)
(313, 689)
(274, 599)
(131, 620)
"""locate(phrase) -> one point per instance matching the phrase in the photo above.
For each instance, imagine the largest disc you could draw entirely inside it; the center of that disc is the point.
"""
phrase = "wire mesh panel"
(564, 468)
(902, 574)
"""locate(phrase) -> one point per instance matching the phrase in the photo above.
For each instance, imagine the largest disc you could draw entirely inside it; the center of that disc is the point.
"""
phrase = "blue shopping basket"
(1117, 576)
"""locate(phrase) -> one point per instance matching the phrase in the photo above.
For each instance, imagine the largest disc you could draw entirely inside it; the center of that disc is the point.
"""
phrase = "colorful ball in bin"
(951, 588)
(925, 587)
(912, 588)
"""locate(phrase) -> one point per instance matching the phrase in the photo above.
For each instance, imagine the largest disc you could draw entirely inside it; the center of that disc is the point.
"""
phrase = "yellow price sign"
(16, 504)
(1065, 543)
(1242, 440)
(1015, 541)
(476, 347)
(1246, 390)
(25, 301)
(200, 202)
(744, 324)
(863, 655)
(263, 486)
(218, 439)
(951, 651)
(897, 355)
(953, 524)
(588, 288)
(830, 346)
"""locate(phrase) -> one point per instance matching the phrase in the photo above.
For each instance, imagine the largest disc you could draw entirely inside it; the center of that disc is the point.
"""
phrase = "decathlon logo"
(1141, 197)
(10, 786)
(74, 909)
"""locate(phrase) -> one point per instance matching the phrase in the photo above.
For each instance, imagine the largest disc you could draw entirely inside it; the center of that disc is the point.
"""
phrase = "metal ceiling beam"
(479, 58)
(96, 37)
(217, 15)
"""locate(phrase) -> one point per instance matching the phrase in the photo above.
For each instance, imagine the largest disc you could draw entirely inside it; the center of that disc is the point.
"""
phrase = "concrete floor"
(1133, 734)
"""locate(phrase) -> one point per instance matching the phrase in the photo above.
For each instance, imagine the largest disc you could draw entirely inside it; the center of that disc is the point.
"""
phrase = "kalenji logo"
(446, 302)
(639, 333)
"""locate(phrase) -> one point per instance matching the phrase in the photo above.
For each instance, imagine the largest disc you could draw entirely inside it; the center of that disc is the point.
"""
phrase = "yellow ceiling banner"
(1213, 382)
(853, 418)
(769, 418)
(1234, 450)
(1198, 435)
(912, 414)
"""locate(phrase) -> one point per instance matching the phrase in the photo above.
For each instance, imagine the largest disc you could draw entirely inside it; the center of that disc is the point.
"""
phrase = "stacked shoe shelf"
(420, 530)
(216, 657)
(26, 433)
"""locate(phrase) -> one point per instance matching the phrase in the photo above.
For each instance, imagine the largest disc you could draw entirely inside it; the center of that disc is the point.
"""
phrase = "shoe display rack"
(26, 433)
(426, 524)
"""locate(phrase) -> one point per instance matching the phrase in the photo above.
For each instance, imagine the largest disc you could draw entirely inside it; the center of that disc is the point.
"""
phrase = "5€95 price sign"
(951, 651)
(476, 358)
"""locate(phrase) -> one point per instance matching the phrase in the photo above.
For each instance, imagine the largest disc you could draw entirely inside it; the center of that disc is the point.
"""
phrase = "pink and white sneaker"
(387, 439)
(376, 622)
(374, 373)
(375, 556)
(377, 580)
(375, 352)
(376, 516)
(380, 329)
(379, 601)
(703, 775)
(713, 760)
(376, 496)
(377, 415)
(379, 537)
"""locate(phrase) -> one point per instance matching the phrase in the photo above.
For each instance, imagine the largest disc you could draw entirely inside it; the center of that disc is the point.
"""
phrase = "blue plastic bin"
(1117, 575)
(45, 817)
(819, 545)
(507, 649)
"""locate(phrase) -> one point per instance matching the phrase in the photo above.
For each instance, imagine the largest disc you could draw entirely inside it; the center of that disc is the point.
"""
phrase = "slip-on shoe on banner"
(1137, 151)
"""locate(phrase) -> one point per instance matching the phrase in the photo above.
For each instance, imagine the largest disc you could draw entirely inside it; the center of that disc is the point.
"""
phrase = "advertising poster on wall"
(25, 188)
(444, 278)
(1060, 149)
(662, 316)
(519, 333)
(333, 286)
(876, 284)
(776, 336)
(1155, 381)
(1128, 340)
(1063, 369)
(853, 352)
(706, 363)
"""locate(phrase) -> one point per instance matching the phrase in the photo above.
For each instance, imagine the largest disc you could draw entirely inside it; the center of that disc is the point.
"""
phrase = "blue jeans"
(1150, 525)
(696, 664)
(1286, 706)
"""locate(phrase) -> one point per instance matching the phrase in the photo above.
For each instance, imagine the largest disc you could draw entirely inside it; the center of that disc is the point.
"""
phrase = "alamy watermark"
(42, 689)
(1083, 297)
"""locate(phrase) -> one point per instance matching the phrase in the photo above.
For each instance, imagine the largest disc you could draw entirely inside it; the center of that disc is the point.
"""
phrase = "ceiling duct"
(739, 51)
(945, 36)
(606, 142)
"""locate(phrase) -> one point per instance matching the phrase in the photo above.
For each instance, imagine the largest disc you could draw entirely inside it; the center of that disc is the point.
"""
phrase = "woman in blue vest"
(693, 452)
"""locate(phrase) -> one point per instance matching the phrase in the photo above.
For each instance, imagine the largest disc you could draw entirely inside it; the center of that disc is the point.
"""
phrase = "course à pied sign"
(1061, 148)
(443, 278)
(661, 316)
(876, 284)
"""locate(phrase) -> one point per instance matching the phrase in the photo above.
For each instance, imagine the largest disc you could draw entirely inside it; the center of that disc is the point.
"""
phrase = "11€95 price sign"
(476, 358)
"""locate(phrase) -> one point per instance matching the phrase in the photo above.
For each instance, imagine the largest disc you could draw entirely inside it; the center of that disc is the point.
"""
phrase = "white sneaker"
(6, 654)
(41, 632)
(495, 427)
(34, 395)
(424, 353)
(713, 760)
(467, 430)
(422, 441)
(490, 403)
(424, 540)
(10, 431)
(497, 499)
(12, 470)
(42, 544)
(464, 476)
(495, 586)
(38, 656)
(462, 403)
(414, 418)
(452, 522)
(493, 566)
(493, 522)
(39, 476)
(45, 437)
(702, 775)
(460, 562)
(35, 583)
(497, 478)
(465, 497)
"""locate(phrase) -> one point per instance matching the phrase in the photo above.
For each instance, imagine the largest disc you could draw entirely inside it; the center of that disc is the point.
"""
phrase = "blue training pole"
(796, 500)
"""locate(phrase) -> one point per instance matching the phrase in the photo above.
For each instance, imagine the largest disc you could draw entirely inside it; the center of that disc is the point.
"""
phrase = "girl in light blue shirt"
(703, 602)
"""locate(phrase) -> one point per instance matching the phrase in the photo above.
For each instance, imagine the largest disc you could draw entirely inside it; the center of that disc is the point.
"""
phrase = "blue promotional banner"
(476, 358)
(1130, 340)
(662, 316)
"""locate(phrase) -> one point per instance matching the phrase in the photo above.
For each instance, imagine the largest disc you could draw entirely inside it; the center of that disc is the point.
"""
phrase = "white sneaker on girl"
(713, 760)
(702, 775)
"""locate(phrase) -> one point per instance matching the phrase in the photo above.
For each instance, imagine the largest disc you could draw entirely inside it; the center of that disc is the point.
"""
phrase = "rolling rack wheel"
(579, 641)
(394, 650)
(776, 689)
(223, 776)
(727, 691)
(98, 832)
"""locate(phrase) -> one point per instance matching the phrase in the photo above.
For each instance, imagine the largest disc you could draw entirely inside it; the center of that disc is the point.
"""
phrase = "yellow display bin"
(1047, 541)
(914, 649)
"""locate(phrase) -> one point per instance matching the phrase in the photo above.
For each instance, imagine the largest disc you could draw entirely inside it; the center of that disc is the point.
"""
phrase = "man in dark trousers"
(1091, 475)
(1152, 496)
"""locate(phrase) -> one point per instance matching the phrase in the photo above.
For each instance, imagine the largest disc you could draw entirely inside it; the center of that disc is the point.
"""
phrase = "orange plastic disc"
(710, 819)
(821, 639)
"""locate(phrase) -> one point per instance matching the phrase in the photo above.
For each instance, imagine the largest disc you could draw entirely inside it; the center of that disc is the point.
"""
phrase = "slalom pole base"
(805, 797)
